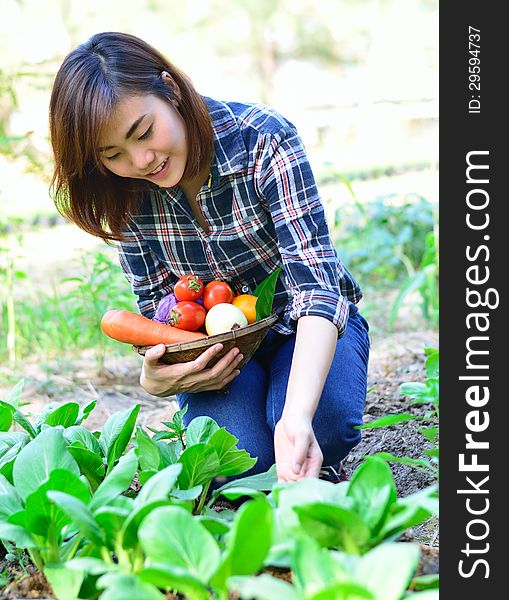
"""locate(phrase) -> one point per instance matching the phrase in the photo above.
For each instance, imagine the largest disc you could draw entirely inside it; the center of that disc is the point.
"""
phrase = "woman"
(187, 184)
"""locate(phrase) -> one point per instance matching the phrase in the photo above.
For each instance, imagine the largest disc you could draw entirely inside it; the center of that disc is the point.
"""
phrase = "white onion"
(224, 317)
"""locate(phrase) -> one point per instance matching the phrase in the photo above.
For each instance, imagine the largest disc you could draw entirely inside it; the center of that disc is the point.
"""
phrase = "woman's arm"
(297, 451)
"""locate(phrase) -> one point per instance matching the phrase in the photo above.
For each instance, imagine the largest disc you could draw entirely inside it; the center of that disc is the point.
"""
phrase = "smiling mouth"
(158, 169)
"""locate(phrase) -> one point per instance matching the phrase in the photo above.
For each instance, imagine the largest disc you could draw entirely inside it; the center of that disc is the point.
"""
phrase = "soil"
(395, 359)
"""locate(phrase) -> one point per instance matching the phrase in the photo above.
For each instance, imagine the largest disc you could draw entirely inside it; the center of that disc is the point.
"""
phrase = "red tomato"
(216, 292)
(189, 316)
(188, 287)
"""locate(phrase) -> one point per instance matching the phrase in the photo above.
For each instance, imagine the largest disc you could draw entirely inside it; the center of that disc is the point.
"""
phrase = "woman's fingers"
(194, 376)
(218, 376)
(152, 355)
(200, 363)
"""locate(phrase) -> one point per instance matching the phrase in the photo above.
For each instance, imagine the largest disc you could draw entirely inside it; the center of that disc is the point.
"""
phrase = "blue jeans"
(256, 397)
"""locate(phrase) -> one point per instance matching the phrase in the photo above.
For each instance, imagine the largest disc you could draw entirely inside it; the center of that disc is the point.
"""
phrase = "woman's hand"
(297, 452)
(163, 380)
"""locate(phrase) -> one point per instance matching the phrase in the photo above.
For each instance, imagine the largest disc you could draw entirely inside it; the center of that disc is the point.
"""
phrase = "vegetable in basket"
(132, 328)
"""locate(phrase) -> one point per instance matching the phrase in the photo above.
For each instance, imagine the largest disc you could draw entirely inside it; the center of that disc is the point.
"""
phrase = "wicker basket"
(246, 339)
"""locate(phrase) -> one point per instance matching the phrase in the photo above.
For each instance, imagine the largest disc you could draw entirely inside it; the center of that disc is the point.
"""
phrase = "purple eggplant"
(162, 314)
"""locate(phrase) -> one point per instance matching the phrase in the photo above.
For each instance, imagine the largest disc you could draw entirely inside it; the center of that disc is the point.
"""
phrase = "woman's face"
(145, 138)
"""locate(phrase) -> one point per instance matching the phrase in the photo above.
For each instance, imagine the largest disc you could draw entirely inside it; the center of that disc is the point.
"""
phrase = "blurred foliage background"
(357, 77)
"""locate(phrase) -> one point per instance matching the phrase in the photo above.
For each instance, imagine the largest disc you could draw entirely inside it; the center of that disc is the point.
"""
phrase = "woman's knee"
(337, 436)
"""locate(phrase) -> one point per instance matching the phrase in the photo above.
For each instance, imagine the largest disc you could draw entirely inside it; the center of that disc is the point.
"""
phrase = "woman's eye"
(113, 157)
(146, 135)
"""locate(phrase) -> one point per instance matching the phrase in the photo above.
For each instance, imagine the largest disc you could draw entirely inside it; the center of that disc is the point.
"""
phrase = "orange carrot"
(132, 328)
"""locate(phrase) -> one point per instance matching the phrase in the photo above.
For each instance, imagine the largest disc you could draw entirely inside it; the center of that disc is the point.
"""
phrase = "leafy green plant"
(96, 454)
(100, 288)
(383, 573)
(68, 318)
(32, 521)
(383, 241)
(353, 517)
(204, 450)
(423, 394)
(425, 282)
(73, 501)
(184, 556)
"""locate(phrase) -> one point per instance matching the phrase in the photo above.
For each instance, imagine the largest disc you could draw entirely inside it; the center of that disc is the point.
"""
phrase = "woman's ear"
(175, 96)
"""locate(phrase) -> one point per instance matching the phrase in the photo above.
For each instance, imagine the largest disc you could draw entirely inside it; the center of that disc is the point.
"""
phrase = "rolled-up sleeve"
(285, 181)
(150, 280)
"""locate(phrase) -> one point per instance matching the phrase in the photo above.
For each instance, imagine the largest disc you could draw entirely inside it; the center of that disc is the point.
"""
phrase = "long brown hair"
(90, 82)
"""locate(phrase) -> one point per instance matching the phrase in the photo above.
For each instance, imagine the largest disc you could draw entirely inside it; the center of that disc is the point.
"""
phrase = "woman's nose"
(143, 160)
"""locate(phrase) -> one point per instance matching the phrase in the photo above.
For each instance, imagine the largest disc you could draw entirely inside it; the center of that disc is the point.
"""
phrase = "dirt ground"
(394, 359)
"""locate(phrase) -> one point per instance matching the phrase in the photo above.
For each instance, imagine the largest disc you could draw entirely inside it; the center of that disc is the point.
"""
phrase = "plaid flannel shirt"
(263, 210)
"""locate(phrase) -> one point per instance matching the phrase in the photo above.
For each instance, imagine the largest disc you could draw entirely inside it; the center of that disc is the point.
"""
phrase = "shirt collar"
(230, 153)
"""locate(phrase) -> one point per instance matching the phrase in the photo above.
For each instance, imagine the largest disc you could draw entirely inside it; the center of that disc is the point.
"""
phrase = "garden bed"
(395, 359)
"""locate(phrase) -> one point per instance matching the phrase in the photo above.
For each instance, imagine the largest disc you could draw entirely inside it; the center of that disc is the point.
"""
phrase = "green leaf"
(117, 481)
(313, 569)
(10, 501)
(259, 482)
(233, 493)
(388, 420)
(131, 524)
(304, 492)
(23, 421)
(199, 430)
(8, 458)
(430, 433)
(190, 494)
(43, 517)
(265, 292)
(127, 586)
(64, 582)
(343, 591)
(426, 582)
(116, 433)
(152, 495)
(80, 514)
(112, 520)
(414, 389)
(408, 512)
(147, 451)
(200, 464)
(33, 465)
(10, 438)
(387, 569)
(17, 535)
(91, 464)
(77, 433)
(217, 526)
(85, 411)
(174, 578)
(65, 415)
(250, 537)
(91, 565)
(6, 416)
(14, 396)
(263, 587)
(248, 541)
(411, 462)
(232, 461)
(172, 535)
(373, 490)
(159, 486)
(169, 452)
(432, 363)
(333, 526)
